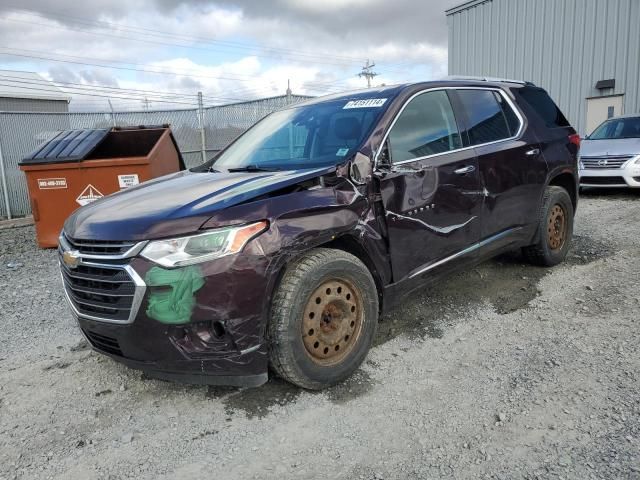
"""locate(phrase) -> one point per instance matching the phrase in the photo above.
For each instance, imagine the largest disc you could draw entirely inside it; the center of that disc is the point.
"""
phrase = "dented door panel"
(431, 211)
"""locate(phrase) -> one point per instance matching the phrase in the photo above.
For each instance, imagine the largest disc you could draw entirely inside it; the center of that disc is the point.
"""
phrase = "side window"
(510, 116)
(490, 117)
(541, 102)
(426, 126)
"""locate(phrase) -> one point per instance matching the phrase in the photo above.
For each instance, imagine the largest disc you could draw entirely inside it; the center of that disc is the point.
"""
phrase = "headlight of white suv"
(178, 252)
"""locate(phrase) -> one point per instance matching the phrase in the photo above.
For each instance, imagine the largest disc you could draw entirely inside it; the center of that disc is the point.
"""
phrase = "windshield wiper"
(251, 168)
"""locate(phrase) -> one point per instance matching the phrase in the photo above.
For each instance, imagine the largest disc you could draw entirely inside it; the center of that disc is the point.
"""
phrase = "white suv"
(610, 156)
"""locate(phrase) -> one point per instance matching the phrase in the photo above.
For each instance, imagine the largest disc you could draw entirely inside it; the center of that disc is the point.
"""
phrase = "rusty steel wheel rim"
(557, 227)
(332, 323)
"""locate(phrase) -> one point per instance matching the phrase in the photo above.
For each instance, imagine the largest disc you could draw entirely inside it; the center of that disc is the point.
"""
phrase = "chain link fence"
(21, 133)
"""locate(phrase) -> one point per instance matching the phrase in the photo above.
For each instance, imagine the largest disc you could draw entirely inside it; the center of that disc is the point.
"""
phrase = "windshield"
(617, 128)
(318, 135)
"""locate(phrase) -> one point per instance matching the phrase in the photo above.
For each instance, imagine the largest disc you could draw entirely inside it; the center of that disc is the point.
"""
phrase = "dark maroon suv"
(285, 249)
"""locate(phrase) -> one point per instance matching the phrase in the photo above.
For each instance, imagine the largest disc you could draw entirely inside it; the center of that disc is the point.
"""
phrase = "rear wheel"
(555, 229)
(323, 319)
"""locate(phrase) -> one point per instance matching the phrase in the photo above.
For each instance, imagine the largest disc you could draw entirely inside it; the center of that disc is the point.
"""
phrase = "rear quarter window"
(489, 117)
(540, 101)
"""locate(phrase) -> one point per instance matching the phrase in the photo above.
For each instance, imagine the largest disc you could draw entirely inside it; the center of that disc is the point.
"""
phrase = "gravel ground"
(504, 371)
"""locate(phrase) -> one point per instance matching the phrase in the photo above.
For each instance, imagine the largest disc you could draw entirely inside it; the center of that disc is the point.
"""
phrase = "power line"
(40, 56)
(318, 57)
(321, 60)
(98, 95)
(74, 87)
(160, 33)
(28, 80)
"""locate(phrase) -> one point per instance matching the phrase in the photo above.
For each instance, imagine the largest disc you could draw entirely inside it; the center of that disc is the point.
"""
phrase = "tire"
(324, 317)
(555, 229)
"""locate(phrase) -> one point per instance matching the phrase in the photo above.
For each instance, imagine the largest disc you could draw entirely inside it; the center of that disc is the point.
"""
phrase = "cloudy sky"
(159, 53)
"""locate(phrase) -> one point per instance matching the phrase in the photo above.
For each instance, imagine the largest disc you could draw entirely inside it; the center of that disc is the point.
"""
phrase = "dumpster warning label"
(51, 183)
(88, 195)
(126, 181)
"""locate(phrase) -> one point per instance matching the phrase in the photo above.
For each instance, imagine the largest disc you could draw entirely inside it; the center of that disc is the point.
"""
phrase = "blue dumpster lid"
(67, 146)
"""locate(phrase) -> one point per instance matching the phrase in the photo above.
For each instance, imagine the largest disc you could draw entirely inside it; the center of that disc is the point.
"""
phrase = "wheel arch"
(566, 180)
(349, 244)
(346, 243)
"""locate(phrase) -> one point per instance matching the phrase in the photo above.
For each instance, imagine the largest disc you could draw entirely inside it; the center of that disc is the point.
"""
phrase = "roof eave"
(26, 96)
(464, 6)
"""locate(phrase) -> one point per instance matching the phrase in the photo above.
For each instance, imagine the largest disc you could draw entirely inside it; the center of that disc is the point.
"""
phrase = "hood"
(176, 204)
(613, 147)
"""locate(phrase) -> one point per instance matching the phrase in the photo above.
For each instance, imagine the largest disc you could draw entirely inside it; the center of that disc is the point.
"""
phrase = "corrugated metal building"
(29, 92)
(586, 53)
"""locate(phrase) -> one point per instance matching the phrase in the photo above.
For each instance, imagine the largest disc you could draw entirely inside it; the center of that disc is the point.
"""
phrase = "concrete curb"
(16, 222)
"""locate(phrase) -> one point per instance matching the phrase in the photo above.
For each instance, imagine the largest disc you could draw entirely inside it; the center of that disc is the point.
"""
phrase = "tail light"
(575, 139)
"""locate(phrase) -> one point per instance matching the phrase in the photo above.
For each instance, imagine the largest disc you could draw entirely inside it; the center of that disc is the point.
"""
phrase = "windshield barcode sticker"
(368, 103)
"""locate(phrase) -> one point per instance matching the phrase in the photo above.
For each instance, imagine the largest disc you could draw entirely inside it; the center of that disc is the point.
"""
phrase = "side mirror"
(360, 169)
(384, 158)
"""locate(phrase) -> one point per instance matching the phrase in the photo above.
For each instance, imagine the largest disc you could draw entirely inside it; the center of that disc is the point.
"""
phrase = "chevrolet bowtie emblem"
(71, 258)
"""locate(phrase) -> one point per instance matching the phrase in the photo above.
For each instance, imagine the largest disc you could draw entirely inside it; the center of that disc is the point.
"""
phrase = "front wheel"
(555, 229)
(323, 319)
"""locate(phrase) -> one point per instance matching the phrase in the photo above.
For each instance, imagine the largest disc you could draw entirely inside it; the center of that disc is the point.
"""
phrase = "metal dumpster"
(78, 167)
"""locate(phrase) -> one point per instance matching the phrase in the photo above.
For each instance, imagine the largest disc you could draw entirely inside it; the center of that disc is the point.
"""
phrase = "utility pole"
(146, 103)
(367, 73)
(5, 190)
(203, 139)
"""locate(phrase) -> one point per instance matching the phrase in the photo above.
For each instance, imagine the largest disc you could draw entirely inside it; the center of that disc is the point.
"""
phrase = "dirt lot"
(505, 371)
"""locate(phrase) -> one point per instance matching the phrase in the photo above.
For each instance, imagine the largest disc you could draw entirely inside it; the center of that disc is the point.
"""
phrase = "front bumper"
(215, 337)
(153, 352)
(627, 176)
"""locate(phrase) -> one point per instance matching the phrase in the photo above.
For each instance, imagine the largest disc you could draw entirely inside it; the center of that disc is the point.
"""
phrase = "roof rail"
(486, 79)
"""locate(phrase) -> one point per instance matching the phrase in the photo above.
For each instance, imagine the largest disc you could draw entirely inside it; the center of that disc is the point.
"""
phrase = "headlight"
(178, 252)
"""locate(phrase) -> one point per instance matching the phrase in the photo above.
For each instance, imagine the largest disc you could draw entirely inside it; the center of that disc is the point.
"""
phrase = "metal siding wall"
(21, 133)
(8, 104)
(565, 46)
(632, 99)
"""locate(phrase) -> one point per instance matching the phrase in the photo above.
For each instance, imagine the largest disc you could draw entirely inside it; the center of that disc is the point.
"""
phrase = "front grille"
(104, 343)
(105, 292)
(99, 247)
(602, 181)
(599, 163)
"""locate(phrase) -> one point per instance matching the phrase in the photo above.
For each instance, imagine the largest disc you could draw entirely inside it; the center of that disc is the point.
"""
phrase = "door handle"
(533, 153)
(464, 170)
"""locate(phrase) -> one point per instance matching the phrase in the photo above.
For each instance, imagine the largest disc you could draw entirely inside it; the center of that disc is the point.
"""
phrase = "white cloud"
(330, 5)
(228, 49)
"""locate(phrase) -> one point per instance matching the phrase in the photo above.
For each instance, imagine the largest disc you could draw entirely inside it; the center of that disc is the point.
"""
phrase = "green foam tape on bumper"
(174, 306)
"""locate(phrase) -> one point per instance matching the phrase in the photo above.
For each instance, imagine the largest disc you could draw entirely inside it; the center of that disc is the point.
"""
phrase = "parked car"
(285, 249)
(610, 156)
